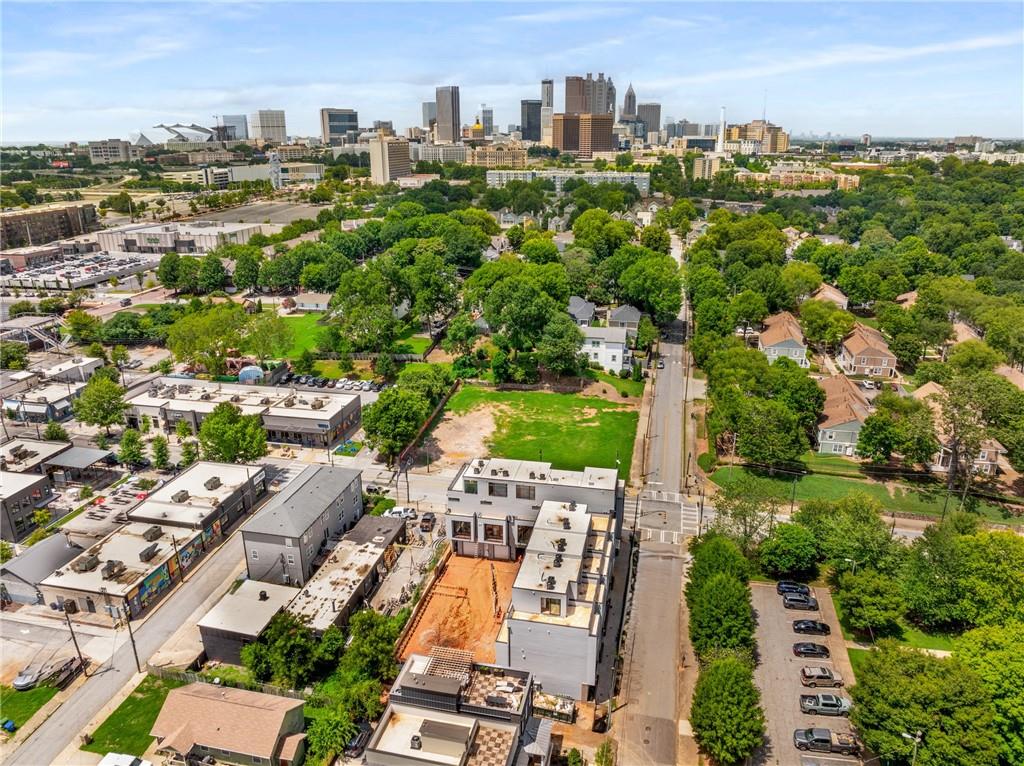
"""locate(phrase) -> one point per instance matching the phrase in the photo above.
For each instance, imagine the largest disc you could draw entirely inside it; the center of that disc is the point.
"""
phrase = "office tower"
(720, 145)
(866, 139)
(487, 120)
(599, 94)
(389, 159)
(267, 125)
(575, 95)
(449, 119)
(596, 134)
(529, 122)
(236, 127)
(337, 124)
(547, 94)
(547, 114)
(565, 132)
(429, 113)
(384, 127)
(650, 115)
(629, 104)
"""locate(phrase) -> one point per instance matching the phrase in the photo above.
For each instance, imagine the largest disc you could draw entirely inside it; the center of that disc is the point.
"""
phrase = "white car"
(401, 512)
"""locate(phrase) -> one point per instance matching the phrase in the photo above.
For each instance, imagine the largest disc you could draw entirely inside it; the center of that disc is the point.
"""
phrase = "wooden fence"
(191, 677)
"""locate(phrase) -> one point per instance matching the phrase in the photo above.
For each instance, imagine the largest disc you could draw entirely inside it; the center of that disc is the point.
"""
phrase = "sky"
(90, 70)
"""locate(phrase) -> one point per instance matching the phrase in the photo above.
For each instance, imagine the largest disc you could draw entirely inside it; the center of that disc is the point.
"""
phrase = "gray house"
(282, 540)
(581, 310)
(625, 316)
(240, 617)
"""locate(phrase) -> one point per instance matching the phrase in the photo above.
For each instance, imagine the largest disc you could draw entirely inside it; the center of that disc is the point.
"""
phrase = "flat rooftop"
(481, 685)
(46, 393)
(536, 472)
(70, 364)
(21, 455)
(302, 501)
(12, 484)
(185, 227)
(556, 552)
(245, 611)
(223, 480)
(331, 589)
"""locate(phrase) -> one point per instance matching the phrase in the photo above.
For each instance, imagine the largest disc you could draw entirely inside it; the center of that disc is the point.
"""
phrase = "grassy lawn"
(411, 343)
(229, 673)
(306, 332)
(329, 368)
(857, 657)
(569, 430)
(911, 636)
(421, 366)
(834, 464)
(126, 730)
(903, 499)
(21, 706)
(625, 386)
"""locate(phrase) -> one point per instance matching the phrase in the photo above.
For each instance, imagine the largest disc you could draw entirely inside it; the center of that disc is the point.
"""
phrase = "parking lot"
(778, 677)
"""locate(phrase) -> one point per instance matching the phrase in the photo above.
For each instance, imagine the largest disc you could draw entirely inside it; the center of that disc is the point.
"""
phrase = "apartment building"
(782, 337)
(283, 539)
(706, 168)
(240, 617)
(843, 415)
(774, 140)
(389, 159)
(493, 503)
(596, 134)
(640, 179)
(111, 150)
(985, 463)
(36, 227)
(607, 347)
(560, 597)
(21, 495)
(497, 156)
(865, 352)
(191, 237)
(290, 416)
(439, 152)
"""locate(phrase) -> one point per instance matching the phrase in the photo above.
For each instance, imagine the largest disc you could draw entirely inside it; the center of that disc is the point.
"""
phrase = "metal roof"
(79, 457)
(41, 560)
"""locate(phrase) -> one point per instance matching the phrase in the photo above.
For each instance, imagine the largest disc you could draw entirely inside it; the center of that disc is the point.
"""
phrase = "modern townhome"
(987, 460)
(282, 541)
(493, 503)
(559, 600)
(865, 352)
(625, 316)
(21, 495)
(782, 337)
(607, 347)
(831, 294)
(846, 408)
(445, 709)
(307, 418)
(582, 311)
(201, 721)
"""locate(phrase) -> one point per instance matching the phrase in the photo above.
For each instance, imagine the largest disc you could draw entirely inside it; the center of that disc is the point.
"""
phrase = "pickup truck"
(824, 704)
(825, 741)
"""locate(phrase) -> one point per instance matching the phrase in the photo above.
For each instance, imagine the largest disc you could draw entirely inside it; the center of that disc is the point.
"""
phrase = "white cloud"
(579, 12)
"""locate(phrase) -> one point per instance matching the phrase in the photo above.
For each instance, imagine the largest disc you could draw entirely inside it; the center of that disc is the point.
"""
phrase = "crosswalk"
(666, 536)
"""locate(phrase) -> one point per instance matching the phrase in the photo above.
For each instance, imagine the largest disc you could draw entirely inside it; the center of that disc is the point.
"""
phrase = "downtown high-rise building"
(547, 94)
(449, 117)
(337, 126)
(268, 126)
(596, 134)
(429, 113)
(235, 127)
(575, 95)
(487, 120)
(629, 104)
(529, 120)
(547, 111)
(565, 132)
(389, 159)
(589, 96)
(650, 115)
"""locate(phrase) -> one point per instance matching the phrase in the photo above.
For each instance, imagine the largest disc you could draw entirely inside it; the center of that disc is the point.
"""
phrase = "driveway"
(778, 676)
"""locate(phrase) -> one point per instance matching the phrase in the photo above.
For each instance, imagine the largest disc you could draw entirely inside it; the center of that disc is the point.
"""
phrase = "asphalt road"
(778, 677)
(61, 728)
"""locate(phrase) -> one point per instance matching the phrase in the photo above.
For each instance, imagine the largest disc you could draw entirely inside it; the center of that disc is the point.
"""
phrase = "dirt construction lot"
(778, 677)
(458, 611)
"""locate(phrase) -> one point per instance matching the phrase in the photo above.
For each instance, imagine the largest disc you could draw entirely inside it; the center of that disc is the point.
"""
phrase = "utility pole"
(131, 638)
(74, 640)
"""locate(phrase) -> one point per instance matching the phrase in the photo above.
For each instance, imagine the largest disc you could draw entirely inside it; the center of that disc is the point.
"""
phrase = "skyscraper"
(487, 119)
(565, 132)
(389, 159)
(547, 94)
(596, 134)
(268, 125)
(429, 113)
(629, 104)
(650, 115)
(575, 95)
(236, 127)
(449, 119)
(337, 124)
(599, 94)
(529, 121)
(547, 114)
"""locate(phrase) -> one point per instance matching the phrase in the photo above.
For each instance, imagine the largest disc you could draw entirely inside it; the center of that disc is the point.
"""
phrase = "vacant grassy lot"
(329, 368)
(410, 343)
(21, 706)
(306, 331)
(126, 730)
(569, 430)
(625, 386)
(903, 499)
(910, 636)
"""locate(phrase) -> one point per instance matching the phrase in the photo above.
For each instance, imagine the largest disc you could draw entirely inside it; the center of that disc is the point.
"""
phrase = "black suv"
(811, 627)
(809, 649)
(788, 586)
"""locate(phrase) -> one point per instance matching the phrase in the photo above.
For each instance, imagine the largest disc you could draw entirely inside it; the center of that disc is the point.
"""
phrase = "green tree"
(228, 436)
(872, 603)
(55, 432)
(305, 363)
(431, 382)
(161, 452)
(973, 356)
(747, 308)
(205, 338)
(168, 270)
(559, 346)
(188, 275)
(247, 269)
(329, 734)
(655, 286)
(850, 533)
(460, 335)
(656, 238)
(519, 310)
(903, 690)
(789, 552)
(575, 758)
(132, 451)
(13, 356)
(268, 335)
(801, 279)
(393, 420)
(101, 403)
(119, 356)
(540, 250)
(898, 426)
(6, 551)
(434, 286)
(728, 722)
(716, 554)
(605, 754)
(721, 616)
(82, 326)
(769, 433)
(183, 430)
(212, 275)
(745, 510)
(189, 452)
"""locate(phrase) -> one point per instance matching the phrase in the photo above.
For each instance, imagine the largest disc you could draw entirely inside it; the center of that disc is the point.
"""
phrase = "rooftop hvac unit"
(541, 477)
(504, 472)
(153, 533)
(212, 483)
(566, 524)
(533, 474)
(476, 470)
(572, 505)
(289, 402)
(263, 595)
(180, 496)
(480, 463)
(317, 404)
(147, 553)
(236, 398)
(551, 583)
(86, 563)
(494, 472)
(416, 743)
(558, 560)
(112, 569)
(560, 544)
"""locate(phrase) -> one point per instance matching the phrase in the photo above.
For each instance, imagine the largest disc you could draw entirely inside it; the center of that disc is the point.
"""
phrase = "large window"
(526, 492)
(523, 536)
(497, 490)
(469, 486)
(552, 606)
(462, 530)
(494, 533)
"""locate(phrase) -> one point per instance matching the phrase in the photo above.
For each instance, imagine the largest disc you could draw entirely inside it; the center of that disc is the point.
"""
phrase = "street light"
(916, 739)
(851, 561)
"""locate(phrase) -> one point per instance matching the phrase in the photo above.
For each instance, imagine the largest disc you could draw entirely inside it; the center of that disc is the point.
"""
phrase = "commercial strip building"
(80, 271)
(642, 180)
(283, 540)
(77, 369)
(128, 571)
(222, 177)
(21, 258)
(445, 709)
(312, 419)
(21, 495)
(389, 159)
(559, 600)
(20, 577)
(49, 400)
(37, 227)
(193, 237)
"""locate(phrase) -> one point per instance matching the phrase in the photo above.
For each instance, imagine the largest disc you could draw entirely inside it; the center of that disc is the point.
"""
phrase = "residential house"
(782, 337)
(987, 460)
(608, 348)
(865, 352)
(582, 311)
(308, 302)
(230, 725)
(283, 539)
(846, 408)
(831, 294)
(625, 316)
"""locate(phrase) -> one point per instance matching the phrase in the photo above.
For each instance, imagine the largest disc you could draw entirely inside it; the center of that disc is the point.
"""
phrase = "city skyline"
(905, 70)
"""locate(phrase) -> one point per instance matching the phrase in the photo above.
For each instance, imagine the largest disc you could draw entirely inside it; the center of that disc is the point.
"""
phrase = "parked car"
(800, 601)
(58, 673)
(357, 744)
(126, 301)
(825, 741)
(286, 377)
(427, 521)
(401, 512)
(815, 676)
(811, 649)
(661, 364)
(788, 586)
(812, 627)
(373, 489)
(824, 704)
